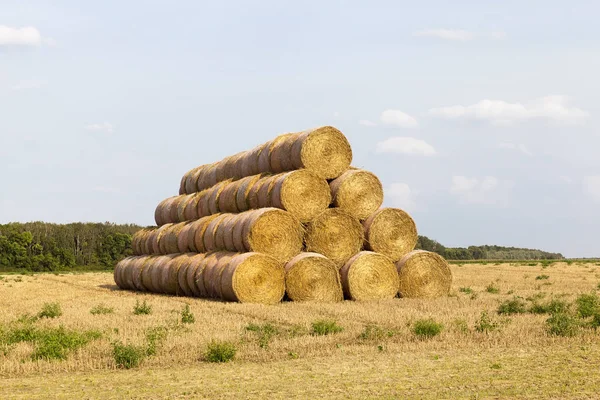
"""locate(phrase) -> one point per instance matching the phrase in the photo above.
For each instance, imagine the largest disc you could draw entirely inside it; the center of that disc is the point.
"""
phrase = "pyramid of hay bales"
(290, 216)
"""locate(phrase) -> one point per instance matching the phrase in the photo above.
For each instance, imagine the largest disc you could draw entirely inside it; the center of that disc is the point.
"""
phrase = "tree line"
(41, 246)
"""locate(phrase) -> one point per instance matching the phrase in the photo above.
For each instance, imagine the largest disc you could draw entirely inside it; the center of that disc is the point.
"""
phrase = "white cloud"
(402, 196)
(398, 118)
(405, 145)
(103, 127)
(26, 36)
(28, 84)
(490, 190)
(517, 147)
(499, 35)
(555, 108)
(366, 122)
(446, 34)
(591, 185)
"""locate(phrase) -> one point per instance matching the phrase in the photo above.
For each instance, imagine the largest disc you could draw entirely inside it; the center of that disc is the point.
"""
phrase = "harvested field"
(376, 355)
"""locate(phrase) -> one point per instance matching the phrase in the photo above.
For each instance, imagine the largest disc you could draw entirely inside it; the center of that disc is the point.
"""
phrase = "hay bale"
(325, 151)
(156, 240)
(391, 232)
(137, 270)
(203, 273)
(208, 177)
(369, 276)
(209, 239)
(172, 238)
(213, 272)
(170, 279)
(424, 274)
(335, 234)
(182, 284)
(263, 195)
(146, 243)
(249, 162)
(194, 263)
(358, 192)
(301, 193)
(117, 273)
(244, 186)
(228, 198)
(264, 158)
(252, 200)
(270, 231)
(147, 274)
(138, 239)
(213, 197)
(162, 213)
(161, 273)
(196, 240)
(253, 278)
(191, 209)
(313, 277)
(183, 238)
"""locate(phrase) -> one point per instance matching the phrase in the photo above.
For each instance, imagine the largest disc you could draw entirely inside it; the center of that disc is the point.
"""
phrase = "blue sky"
(480, 118)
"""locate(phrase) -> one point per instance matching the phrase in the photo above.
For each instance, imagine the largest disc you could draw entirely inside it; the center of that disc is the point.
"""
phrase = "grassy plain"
(376, 354)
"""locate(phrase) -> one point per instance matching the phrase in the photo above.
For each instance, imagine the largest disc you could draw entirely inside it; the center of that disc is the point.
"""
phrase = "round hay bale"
(229, 169)
(238, 231)
(325, 151)
(210, 233)
(391, 232)
(137, 240)
(335, 234)
(424, 274)
(252, 199)
(182, 183)
(203, 206)
(161, 276)
(272, 231)
(172, 208)
(313, 277)
(215, 193)
(253, 278)
(183, 239)
(214, 282)
(227, 198)
(171, 280)
(171, 238)
(146, 245)
(201, 278)
(194, 262)
(358, 192)
(369, 276)
(191, 182)
(117, 274)
(224, 228)
(191, 209)
(263, 163)
(137, 269)
(127, 272)
(199, 231)
(208, 178)
(263, 195)
(182, 284)
(301, 193)
(157, 243)
(280, 157)
(244, 186)
(158, 212)
(148, 273)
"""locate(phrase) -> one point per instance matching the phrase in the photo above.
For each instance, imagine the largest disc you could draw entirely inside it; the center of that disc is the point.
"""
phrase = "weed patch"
(325, 327)
(219, 352)
(427, 328)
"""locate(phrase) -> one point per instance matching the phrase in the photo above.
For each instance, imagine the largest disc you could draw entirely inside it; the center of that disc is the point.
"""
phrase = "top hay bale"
(324, 151)
(358, 192)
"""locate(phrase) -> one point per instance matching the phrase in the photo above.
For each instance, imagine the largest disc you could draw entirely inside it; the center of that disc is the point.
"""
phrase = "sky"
(480, 118)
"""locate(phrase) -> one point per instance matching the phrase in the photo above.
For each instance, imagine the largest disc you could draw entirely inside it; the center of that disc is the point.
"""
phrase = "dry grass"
(517, 359)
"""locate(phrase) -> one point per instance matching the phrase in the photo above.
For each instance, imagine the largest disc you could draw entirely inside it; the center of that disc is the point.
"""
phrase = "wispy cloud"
(489, 190)
(555, 108)
(366, 122)
(402, 196)
(405, 145)
(102, 127)
(398, 118)
(517, 147)
(25, 36)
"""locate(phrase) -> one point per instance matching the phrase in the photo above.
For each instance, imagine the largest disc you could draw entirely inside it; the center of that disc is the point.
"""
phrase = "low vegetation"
(426, 328)
(325, 327)
(220, 352)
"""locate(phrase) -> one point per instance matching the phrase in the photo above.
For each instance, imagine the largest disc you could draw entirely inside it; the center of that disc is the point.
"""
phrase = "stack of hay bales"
(290, 216)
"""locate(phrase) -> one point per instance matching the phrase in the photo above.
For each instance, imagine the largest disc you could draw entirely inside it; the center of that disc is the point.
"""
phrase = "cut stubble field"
(360, 350)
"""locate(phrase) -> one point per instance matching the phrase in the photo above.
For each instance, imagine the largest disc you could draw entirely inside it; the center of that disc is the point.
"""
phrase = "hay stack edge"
(290, 219)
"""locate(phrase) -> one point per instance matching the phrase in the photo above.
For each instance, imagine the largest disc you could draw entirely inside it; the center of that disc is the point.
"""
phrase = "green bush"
(374, 332)
(265, 333)
(187, 317)
(219, 352)
(485, 323)
(514, 306)
(562, 324)
(552, 307)
(50, 310)
(588, 305)
(325, 327)
(426, 328)
(492, 289)
(154, 337)
(142, 308)
(541, 277)
(466, 290)
(128, 356)
(101, 309)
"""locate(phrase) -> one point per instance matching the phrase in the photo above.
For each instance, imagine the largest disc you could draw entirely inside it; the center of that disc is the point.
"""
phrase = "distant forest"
(40, 246)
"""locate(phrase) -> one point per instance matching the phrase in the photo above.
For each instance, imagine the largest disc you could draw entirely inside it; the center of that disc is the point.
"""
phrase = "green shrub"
(101, 309)
(492, 289)
(541, 277)
(128, 356)
(187, 317)
(466, 290)
(325, 327)
(154, 337)
(264, 332)
(427, 328)
(485, 323)
(142, 308)
(218, 352)
(588, 305)
(50, 310)
(374, 332)
(514, 306)
(562, 324)
(552, 307)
